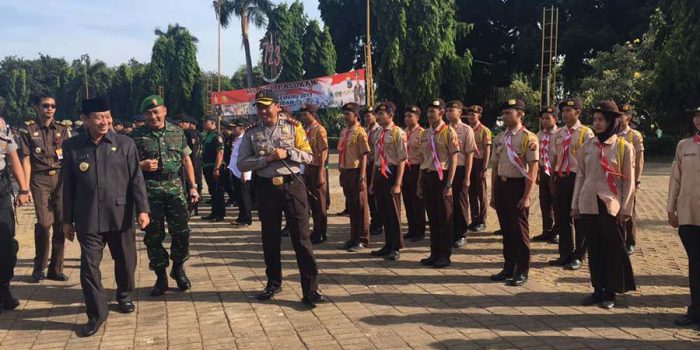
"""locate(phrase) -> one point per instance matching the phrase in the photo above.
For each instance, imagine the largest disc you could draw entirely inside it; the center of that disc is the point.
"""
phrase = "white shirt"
(234, 160)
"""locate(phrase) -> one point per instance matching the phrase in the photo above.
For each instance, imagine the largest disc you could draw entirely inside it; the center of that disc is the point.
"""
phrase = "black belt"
(278, 180)
(511, 179)
(564, 174)
(49, 172)
(158, 176)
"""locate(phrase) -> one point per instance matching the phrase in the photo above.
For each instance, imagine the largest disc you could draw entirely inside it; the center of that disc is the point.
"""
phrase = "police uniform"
(636, 139)
(318, 140)
(280, 189)
(225, 178)
(213, 144)
(352, 146)
(438, 145)
(546, 196)
(166, 198)
(413, 205)
(460, 195)
(509, 186)
(683, 194)
(563, 150)
(390, 151)
(372, 131)
(103, 190)
(8, 243)
(44, 147)
(478, 205)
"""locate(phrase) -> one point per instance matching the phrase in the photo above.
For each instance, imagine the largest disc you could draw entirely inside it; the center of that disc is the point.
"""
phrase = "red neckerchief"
(382, 153)
(610, 173)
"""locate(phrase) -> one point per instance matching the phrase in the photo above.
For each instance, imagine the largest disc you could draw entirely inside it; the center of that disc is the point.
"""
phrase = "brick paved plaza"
(372, 303)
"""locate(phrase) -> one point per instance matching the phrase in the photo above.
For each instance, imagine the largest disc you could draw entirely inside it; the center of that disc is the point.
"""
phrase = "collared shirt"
(373, 132)
(168, 145)
(353, 145)
(684, 184)
(556, 147)
(467, 144)
(259, 140)
(213, 143)
(444, 138)
(44, 144)
(540, 136)
(413, 145)
(526, 148)
(592, 181)
(394, 146)
(7, 146)
(482, 137)
(233, 162)
(634, 137)
(318, 139)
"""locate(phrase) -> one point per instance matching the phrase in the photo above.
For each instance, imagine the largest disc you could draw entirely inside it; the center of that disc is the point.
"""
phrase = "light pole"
(369, 83)
(86, 58)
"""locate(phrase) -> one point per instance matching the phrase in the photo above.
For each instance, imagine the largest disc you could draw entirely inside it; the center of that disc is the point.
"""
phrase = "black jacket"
(103, 187)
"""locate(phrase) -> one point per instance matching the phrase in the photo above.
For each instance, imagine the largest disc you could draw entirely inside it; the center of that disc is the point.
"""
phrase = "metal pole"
(218, 32)
(544, 31)
(369, 83)
(86, 58)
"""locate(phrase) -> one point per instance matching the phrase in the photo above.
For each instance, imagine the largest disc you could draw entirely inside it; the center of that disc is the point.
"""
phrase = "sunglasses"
(48, 105)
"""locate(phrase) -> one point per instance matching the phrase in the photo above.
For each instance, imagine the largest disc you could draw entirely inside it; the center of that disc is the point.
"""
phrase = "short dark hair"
(39, 97)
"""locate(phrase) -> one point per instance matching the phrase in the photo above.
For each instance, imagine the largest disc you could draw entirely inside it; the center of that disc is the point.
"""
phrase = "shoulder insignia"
(253, 126)
(29, 122)
(291, 121)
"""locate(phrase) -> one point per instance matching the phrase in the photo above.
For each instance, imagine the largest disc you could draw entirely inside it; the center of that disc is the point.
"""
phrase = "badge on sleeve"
(84, 166)
(59, 153)
(35, 134)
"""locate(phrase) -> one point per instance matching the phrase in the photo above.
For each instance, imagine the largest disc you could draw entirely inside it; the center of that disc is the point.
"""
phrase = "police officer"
(515, 163)
(212, 161)
(315, 172)
(477, 187)
(163, 151)
(225, 179)
(548, 126)
(684, 212)
(194, 142)
(42, 150)
(636, 139)
(8, 244)
(103, 191)
(275, 149)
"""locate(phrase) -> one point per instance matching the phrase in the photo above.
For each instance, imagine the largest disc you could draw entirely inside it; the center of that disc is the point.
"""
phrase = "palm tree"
(248, 11)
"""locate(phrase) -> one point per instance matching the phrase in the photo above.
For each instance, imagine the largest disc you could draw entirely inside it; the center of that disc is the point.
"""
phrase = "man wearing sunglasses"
(41, 143)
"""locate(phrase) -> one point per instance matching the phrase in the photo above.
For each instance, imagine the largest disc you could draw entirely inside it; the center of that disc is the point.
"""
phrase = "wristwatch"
(23, 192)
(448, 185)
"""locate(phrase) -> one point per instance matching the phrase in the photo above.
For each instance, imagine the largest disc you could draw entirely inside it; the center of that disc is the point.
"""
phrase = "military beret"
(455, 104)
(573, 102)
(387, 106)
(607, 107)
(351, 107)
(67, 122)
(192, 120)
(514, 103)
(266, 97)
(625, 108)
(151, 102)
(239, 122)
(474, 109)
(309, 107)
(97, 104)
(211, 118)
(437, 103)
(549, 109)
(413, 109)
(368, 109)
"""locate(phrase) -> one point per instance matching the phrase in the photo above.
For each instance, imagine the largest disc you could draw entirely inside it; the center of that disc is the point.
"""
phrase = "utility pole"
(548, 62)
(218, 40)
(86, 58)
(369, 82)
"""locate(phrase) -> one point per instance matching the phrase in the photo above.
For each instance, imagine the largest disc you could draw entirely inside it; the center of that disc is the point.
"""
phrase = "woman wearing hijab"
(603, 200)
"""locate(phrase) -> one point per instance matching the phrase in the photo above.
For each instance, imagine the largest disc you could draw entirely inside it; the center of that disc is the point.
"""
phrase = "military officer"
(636, 139)
(41, 144)
(548, 126)
(194, 142)
(163, 151)
(414, 206)
(315, 172)
(104, 191)
(684, 212)
(482, 155)
(225, 180)
(212, 161)
(9, 162)
(138, 119)
(515, 158)
(372, 129)
(78, 127)
(275, 149)
(440, 147)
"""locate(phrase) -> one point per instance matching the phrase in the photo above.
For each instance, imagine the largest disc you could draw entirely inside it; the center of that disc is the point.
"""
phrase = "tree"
(319, 52)
(18, 97)
(289, 23)
(238, 80)
(345, 20)
(247, 11)
(521, 88)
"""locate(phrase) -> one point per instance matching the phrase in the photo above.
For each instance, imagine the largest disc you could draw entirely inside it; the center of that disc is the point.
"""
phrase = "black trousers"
(460, 204)
(8, 244)
(572, 240)
(374, 222)
(228, 183)
(514, 224)
(291, 199)
(631, 226)
(244, 201)
(122, 246)
(415, 207)
(389, 208)
(439, 210)
(546, 204)
(216, 190)
(477, 193)
(690, 236)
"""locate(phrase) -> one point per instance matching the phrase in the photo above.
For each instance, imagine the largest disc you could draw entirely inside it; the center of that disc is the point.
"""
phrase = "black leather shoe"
(542, 238)
(268, 293)
(441, 262)
(384, 251)
(394, 255)
(574, 265)
(349, 243)
(126, 307)
(592, 299)
(57, 277)
(376, 231)
(479, 228)
(502, 276)
(417, 238)
(685, 321)
(630, 250)
(208, 217)
(91, 328)
(313, 298)
(409, 235)
(345, 212)
(318, 239)
(161, 285)
(180, 277)
(558, 262)
(242, 224)
(38, 276)
(518, 280)
(460, 243)
(357, 247)
(498, 233)
(429, 261)
(554, 239)
(7, 300)
(285, 232)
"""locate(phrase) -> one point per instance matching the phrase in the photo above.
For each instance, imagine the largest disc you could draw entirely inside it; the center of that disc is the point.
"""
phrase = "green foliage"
(521, 88)
(345, 20)
(289, 23)
(319, 53)
(238, 80)
(615, 75)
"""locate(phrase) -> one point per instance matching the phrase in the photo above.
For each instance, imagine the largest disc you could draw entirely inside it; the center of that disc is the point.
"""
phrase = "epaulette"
(291, 121)
(253, 126)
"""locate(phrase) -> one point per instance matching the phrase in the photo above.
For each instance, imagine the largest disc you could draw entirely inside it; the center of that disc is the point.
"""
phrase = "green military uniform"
(213, 143)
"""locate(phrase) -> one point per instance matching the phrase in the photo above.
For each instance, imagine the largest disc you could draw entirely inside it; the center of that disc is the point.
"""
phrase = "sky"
(116, 30)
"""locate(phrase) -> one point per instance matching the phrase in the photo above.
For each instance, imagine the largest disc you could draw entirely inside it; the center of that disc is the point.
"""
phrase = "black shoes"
(319, 239)
(393, 255)
(345, 212)
(418, 238)
(178, 274)
(268, 293)
(574, 265)
(593, 299)
(409, 235)
(502, 276)
(349, 243)
(542, 238)
(240, 224)
(376, 231)
(57, 277)
(7, 300)
(313, 298)
(208, 217)
(459, 243)
(285, 231)
(126, 306)
(558, 262)
(518, 280)
(441, 262)
(161, 285)
(685, 321)
(630, 249)
(38, 276)
(91, 328)
(217, 219)
(357, 247)
(429, 261)
(384, 251)
(498, 233)
(477, 227)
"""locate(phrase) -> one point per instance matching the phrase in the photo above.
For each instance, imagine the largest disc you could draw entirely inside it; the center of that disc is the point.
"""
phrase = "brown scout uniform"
(318, 139)
(414, 206)
(351, 147)
(478, 187)
(635, 139)
(372, 132)
(546, 196)
(467, 145)
(44, 147)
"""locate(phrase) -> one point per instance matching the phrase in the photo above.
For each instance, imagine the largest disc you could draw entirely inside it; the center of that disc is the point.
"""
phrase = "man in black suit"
(103, 188)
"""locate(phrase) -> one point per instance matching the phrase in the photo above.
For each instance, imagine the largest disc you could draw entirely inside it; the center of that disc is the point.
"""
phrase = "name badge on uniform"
(113, 149)
(84, 166)
(35, 134)
(278, 181)
(59, 153)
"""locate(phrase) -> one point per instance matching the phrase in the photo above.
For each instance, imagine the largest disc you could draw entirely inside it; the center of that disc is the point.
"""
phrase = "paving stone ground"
(373, 304)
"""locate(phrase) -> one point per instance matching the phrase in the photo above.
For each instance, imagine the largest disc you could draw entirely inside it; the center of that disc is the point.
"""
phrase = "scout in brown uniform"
(548, 126)
(388, 170)
(562, 152)
(515, 158)
(603, 200)
(41, 144)
(352, 162)
(437, 173)
(684, 212)
(315, 172)
(460, 187)
(372, 129)
(477, 187)
(635, 138)
(414, 205)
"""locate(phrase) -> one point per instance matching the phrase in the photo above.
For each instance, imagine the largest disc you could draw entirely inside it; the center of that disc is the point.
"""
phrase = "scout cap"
(607, 107)
(514, 104)
(151, 102)
(351, 107)
(437, 103)
(473, 109)
(67, 122)
(91, 105)
(211, 118)
(265, 98)
(386, 106)
(455, 104)
(309, 107)
(625, 108)
(549, 109)
(570, 102)
(413, 109)
(368, 109)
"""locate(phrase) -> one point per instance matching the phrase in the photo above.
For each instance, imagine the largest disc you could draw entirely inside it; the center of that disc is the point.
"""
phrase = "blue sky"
(116, 30)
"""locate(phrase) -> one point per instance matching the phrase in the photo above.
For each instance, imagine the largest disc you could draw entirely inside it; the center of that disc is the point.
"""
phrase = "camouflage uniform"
(165, 194)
